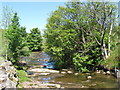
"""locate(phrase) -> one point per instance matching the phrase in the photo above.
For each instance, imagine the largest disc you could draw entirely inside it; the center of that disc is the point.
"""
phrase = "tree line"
(83, 35)
(79, 35)
(18, 42)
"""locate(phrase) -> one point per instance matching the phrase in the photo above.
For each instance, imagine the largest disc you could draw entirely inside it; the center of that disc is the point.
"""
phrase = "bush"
(22, 76)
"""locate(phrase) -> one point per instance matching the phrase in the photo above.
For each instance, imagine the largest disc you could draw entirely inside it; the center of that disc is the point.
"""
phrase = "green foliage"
(34, 40)
(16, 36)
(76, 33)
(0, 42)
(22, 77)
(113, 60)
(81, 62)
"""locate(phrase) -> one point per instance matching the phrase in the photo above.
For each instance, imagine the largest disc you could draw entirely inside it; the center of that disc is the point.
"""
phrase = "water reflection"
(70, 80)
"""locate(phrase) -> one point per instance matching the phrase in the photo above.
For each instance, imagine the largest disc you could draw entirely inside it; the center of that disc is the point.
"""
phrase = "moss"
(22, 77)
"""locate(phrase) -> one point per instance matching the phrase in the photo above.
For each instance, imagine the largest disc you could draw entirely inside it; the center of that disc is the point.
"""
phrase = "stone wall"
(8, 75)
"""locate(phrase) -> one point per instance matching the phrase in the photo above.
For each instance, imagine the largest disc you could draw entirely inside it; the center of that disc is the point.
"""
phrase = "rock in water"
(29, 73)
(76, 73)
(89, 77)
(108, 72)
(63, 72)
(69, 72)
(43, 70)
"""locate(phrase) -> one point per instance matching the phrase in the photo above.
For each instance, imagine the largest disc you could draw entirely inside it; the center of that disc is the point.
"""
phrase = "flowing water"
(70, 80)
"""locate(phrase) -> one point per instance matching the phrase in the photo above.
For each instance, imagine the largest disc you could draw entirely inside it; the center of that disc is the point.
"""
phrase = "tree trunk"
(109, 39)
(105, 51)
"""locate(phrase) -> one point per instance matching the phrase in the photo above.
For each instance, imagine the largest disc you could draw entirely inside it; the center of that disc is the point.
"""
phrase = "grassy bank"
(22, 77)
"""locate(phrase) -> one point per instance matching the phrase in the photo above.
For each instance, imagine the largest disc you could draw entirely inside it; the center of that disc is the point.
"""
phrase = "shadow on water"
(70, 80)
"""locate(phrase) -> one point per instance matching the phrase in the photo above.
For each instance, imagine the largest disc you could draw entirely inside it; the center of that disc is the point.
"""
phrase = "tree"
(6, 17)
(77, 36)
(7, 13)
(34, 40)
(102, 16)
(16, 36)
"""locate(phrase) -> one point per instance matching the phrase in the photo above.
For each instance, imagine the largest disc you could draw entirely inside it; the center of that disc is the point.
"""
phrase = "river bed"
(69, 80)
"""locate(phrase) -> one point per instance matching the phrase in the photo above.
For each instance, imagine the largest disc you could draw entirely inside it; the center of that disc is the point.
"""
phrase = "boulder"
(8, 75)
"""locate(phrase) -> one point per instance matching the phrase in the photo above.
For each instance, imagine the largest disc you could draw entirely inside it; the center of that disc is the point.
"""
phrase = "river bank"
(42, 75)
(48, 78)
(8, 75)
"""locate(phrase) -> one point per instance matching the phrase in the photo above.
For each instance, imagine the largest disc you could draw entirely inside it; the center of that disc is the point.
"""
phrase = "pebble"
(108, 72)
(63, 72)
(89, 77)
(69, 72)
(104, 72)
(76, 73)
(98, 71)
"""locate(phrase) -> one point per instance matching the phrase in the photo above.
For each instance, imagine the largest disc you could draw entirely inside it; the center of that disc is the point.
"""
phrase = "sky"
(34, 14)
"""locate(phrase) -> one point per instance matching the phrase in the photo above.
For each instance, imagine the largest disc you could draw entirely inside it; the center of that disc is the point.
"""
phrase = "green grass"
(22, 77)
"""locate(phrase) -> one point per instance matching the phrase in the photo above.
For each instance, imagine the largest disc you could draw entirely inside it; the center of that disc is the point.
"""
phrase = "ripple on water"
(71, 80)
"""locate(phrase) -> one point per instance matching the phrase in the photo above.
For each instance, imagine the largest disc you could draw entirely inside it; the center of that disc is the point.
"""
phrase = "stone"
(8, 75)
(89, 77)
(76, 73)
(3, 79)
(117, 73)
(69, 72)
(98, 71)
(57, 86)
(44, 73)
(64, 69)
(53, 85)
(62, 87)
(104, 72)
(108, 72)
(83, 87)
(63, 72)
(43, 70)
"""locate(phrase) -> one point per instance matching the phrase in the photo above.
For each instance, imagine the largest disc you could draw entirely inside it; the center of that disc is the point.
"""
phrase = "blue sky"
(33, 14)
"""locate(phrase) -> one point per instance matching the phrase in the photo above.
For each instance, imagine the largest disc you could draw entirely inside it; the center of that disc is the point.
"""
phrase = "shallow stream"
(70, 80)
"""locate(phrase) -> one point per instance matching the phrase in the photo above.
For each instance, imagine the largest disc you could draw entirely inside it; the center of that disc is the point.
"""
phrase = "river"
(70, 80)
